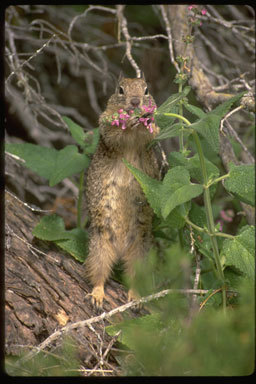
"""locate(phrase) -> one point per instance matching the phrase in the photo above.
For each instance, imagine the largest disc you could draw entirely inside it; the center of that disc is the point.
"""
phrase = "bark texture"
(45, 289)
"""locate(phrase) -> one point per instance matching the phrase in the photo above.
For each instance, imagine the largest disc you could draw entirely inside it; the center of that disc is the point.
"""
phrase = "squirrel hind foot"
(132, 295)
(97, 296)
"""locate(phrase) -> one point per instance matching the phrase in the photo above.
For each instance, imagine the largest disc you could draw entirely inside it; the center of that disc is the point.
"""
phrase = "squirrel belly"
(121, 219)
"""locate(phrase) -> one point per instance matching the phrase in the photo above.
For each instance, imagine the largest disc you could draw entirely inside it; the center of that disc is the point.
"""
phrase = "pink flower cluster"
(121, 117)
(194, 7)
(196, 11)
(147, 121)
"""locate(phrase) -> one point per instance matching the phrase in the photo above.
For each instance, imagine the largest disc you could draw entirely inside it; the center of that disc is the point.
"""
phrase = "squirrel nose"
(135, 101)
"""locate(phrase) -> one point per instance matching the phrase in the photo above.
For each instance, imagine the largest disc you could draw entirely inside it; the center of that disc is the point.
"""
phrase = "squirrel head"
(130, 94)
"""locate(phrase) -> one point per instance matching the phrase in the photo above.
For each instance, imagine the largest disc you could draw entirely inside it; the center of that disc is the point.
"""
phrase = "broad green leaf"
(181, 195)
(170, 131)
(172, 101)
(177, 189)
(151, 187)
(76, 131)
(91, 141)
(195, 110)
(194, 169)
(51, 228)
(208, 127)
(192, 164)
(177, 158)
(176, 219)
(164, 196)
(241, 182)
(197, 215)
(240, 251)
(39, 159)
(68, 163)
(175, 176)
(76, 244)
(165, 122)
(222, 109)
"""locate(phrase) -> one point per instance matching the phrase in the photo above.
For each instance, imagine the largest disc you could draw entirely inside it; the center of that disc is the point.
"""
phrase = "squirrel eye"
(121, 91)
(146, 91)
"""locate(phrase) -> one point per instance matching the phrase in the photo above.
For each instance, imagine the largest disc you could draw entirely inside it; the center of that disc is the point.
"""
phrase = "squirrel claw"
(97, 297)
(132, 295)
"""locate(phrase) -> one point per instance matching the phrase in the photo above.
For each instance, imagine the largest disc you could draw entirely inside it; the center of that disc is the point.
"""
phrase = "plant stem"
(175, 115)
(181, 143)
(209, 217)
(218, 179)
(80, 197)
(200, 229)
(208, 208)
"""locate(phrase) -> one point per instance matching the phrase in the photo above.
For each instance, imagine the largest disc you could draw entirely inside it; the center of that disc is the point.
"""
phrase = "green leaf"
(91, 141)
(197, 215)
(192, 164)
(76, 131)
(208, 127)
(241, 182)
(222, 109)
(165, 123)
(39, 159)
(151, 187)
(181, 195)
(194, 169)
(51, 228)
(164, 196)
(68, 163)
(240, 251)
(195, 110)
(176, 219)
(177, 189)
(76, 245)
(170, 131)
(173, 100)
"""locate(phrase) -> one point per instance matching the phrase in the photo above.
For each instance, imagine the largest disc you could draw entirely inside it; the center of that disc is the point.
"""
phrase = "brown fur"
(121, 218)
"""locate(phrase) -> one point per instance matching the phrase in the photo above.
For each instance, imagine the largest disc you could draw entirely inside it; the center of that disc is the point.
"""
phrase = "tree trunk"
(45, 289)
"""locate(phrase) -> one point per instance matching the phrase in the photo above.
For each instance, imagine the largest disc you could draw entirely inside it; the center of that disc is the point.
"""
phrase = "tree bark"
(45, 289)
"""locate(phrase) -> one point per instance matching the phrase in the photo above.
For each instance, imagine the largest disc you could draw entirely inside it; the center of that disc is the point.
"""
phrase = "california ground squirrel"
(121, 218)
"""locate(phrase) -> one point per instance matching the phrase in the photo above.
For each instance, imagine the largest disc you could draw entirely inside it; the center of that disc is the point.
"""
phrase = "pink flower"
(204, 11)
(120, 111)
(224, 215)
(150, 108)
(115, 122)
(191, 7)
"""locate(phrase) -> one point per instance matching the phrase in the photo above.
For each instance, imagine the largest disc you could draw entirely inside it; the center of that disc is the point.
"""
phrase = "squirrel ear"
(142, 76)
(121, 76)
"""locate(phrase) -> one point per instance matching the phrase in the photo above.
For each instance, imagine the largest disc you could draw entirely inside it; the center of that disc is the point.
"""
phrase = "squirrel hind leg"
(98, 265)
